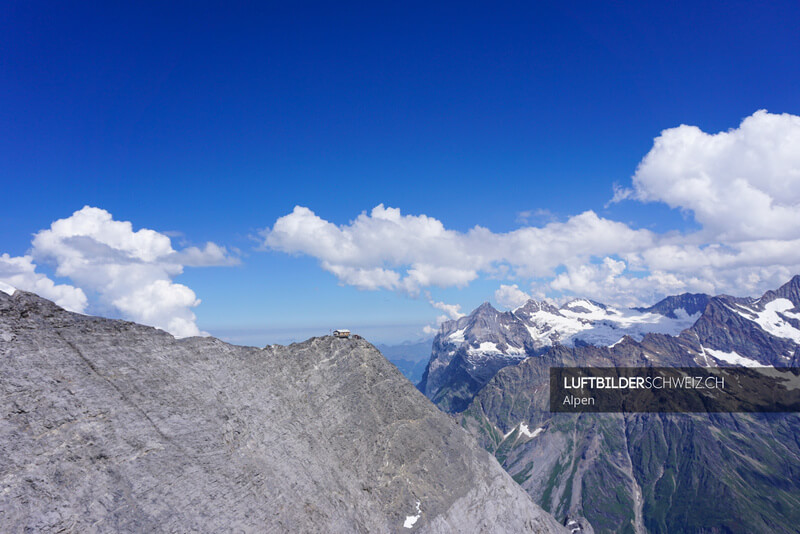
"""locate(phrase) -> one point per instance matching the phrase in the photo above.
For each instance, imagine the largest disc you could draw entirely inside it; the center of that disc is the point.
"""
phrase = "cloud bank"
(388, 250)
(129, 271)
(741, 186)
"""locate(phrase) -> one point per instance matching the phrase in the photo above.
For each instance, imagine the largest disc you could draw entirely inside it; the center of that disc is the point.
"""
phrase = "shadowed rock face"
(112, 426)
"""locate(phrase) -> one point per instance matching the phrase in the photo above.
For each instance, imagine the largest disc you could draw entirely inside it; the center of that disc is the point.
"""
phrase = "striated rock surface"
(110, 426)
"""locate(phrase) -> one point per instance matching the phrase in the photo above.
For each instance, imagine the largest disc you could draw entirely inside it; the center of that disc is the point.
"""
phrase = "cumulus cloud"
(453, 311)
(429, 330)
(130, 271)
(610, 281)
(741, 186)
(366, 252)
(510, 296)
(20, 273)
(388, 250)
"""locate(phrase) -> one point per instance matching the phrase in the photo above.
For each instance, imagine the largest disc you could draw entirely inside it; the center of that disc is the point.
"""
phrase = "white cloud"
(429, 330)
(364, 278)
(526, 216)
(365, 252)
(510, 297)
(742, 184)
(20, 272)
(129, 270)
(586, 279)
(620, 194)
(161, 303)
(610, 281)
(453, 311)
(388, 250)
(210, 255)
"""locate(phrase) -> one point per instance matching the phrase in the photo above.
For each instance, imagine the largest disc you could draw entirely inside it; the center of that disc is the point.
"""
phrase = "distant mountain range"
(630, 472)
(469, 351)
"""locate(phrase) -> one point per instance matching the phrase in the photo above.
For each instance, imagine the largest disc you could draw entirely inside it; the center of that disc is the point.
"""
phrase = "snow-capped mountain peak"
(487, 339)
(594, 323)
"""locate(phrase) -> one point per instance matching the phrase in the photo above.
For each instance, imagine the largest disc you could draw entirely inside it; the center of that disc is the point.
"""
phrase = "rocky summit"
(110, 426)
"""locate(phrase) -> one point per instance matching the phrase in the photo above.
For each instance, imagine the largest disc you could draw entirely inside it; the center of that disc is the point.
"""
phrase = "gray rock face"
(469, 351)
(763, 331)
(109, 426)
(690, 303)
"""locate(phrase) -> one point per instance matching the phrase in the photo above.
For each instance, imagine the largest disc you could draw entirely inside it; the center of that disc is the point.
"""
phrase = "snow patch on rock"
(587, 322)
(772, 319)
(523, 428)
(457, 336)
(412, 519)
(732, 358)
(8, 289)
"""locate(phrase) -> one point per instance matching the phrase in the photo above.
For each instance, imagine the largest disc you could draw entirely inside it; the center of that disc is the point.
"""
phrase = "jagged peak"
(691, 303)
(483, 309)
(793, 285)
(790, 290)
(486, 306)
(533, 305)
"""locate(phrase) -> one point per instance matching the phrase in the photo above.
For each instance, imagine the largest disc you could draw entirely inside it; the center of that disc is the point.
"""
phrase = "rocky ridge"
(110, 426)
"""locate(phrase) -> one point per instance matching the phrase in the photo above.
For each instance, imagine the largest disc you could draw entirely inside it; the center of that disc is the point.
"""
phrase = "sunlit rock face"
(111, 426)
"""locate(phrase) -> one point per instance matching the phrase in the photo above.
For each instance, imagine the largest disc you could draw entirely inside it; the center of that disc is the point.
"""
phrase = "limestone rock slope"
(110, 426)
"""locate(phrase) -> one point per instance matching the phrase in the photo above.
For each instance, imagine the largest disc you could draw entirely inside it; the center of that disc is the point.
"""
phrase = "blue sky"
(209, 122)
